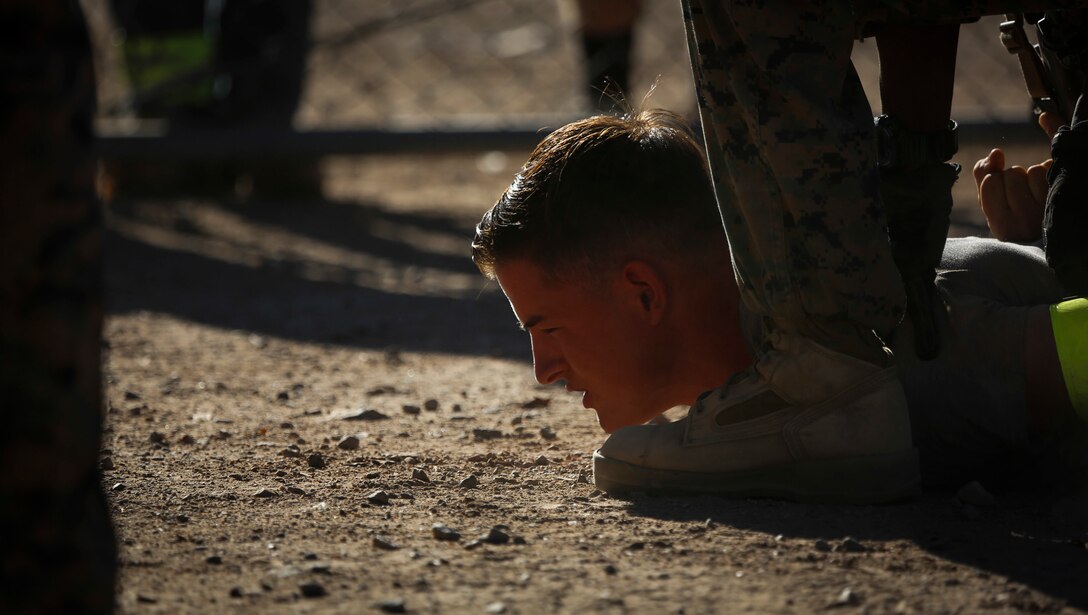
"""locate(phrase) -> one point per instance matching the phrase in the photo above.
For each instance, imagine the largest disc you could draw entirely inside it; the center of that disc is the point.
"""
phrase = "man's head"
(610, 248)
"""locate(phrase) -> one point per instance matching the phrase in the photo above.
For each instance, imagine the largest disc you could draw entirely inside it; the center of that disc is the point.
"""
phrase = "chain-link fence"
(479, 64)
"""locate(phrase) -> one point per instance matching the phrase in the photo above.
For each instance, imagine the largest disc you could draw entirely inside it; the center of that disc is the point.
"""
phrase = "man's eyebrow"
(530, 323)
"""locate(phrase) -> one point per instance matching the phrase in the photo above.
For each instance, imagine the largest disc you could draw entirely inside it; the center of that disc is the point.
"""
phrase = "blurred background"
(304, 79)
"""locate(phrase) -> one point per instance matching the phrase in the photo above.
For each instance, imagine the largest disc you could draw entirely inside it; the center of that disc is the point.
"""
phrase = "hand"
(1013, 199)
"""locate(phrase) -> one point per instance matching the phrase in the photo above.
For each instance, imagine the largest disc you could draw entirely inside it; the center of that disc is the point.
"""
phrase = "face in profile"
(595, 340)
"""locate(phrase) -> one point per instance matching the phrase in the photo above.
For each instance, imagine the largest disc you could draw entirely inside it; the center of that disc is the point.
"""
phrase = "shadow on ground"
(1028, 538)
(316, 271)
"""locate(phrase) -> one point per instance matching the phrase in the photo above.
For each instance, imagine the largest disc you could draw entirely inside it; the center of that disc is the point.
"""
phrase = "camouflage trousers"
(792, 150)
(57, 553)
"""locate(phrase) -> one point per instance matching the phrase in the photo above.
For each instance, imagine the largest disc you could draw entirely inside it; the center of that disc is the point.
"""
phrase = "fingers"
(1050, 123)
(991, 197)
(1025, 213)
(994, 162)
(1037, 181)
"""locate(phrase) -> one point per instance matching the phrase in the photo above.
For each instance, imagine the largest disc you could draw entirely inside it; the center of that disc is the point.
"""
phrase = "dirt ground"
(299, 390)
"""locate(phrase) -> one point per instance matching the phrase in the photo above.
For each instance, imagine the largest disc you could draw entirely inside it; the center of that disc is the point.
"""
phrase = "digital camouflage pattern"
(58, 554)
(792, 150)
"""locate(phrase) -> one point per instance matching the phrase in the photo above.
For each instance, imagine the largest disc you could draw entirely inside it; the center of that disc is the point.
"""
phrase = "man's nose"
(548, 362)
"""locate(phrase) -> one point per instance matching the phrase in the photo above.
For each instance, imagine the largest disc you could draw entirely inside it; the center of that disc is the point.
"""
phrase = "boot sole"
(873, 479)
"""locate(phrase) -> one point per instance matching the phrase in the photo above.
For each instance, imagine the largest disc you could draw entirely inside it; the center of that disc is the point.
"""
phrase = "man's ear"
(643, 287)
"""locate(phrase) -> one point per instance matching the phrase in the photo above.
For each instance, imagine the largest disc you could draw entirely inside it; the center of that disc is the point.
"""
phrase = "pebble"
(118, 487)
(975, 494)
(182, 518)
(378, 498)
(291, 452)
(430, 405)
(442, 532)
(496, 536)
(822, 545)
(265, 493)
(470, 482)
(456, 408)
(316, 461)
(537, 402)
(106, 463)
(410, 409)
(214, 559)
(486, 434)
(283, 396)
(496, 608)
(146, 599)
(236, 592)
(366, 415)
(295, 490)
(848, 597)
(541, 461)
(393, 606)
(132, 396)
(312, 589)
(420, 475)
(187, 439)
(610, 569)
(380, 542)
(348, 443)
(849, 545)
(309, 556)
(157, 437)
(548, 433)
(287, 425)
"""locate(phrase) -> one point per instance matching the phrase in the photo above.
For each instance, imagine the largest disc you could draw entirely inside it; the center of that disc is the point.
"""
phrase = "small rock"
(132, 396)
(106, 463)
(975, 494)
(283, 396)
(430, 405)
(610, 569)
(287, 425)
(118, 487)
(470, 482)
(822, 545)
(236, 592)
(366, 415)
(380, 542)
(348, 443)
(456, 408)
(291, 452)
(473, 544)
(536, 402)
(496, 608)
(321, 569)
(265, 493)
(420, 475)
(214, 559)
(182, 518)
(146, 599)
(309, 556)
(548, 433)
(316, 461)
(442, 532)
(312, 589)
(848, 597)
(378, 498)
(393, 606)
(849, 545)
(410, 409)
(187, 439)
(486, 434)
(496, 536)
(295, 490)
(157, 437)
(541, 461)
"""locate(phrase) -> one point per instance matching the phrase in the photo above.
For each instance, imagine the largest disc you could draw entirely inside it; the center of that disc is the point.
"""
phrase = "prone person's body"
(609, 246)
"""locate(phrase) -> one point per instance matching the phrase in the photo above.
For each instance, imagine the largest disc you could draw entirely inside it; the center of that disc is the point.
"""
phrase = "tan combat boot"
(805, 423)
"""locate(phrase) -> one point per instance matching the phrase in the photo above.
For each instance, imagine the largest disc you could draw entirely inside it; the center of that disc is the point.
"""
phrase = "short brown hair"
(597, 190)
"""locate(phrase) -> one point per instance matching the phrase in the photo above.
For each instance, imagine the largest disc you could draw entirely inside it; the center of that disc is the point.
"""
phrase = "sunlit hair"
(602, 190)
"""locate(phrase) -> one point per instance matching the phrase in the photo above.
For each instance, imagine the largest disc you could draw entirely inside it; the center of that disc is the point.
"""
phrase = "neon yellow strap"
(1070, 322)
